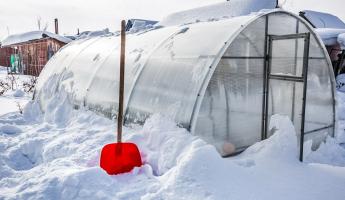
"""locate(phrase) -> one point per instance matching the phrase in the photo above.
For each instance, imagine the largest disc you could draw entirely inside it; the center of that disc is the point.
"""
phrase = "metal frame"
(303, 79)
(265, 95)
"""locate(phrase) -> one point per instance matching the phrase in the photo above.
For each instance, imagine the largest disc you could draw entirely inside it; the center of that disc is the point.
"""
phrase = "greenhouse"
(222, 80)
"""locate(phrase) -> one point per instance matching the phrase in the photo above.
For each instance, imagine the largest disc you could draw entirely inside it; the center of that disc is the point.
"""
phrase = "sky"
(17, 16)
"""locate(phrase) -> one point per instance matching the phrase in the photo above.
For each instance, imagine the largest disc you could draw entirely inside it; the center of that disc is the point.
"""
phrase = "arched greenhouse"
(222, 80)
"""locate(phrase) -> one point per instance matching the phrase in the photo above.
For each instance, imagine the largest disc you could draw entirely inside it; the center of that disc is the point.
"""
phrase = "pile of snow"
(329, 36)
(90, 34)
(18, 93)
(329, 27)
(217, 11)
(33, 35)
(341, 41)
(136, 25)
(323, 20)
(55, 155)
(328, 153)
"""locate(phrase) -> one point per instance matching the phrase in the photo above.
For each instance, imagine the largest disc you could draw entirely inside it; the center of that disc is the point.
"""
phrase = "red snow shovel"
(117, 158)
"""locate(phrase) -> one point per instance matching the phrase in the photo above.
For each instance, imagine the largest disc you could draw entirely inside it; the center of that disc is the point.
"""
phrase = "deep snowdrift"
(54, 155)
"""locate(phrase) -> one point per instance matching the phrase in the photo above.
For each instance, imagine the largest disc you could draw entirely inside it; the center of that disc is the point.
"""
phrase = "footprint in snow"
(10, 130)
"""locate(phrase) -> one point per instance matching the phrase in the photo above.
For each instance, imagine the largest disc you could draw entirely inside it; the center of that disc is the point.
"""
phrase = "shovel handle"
(122, 81)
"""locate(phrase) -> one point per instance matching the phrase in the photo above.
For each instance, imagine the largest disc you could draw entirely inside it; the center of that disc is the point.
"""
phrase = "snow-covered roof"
(323, 20)
(135, 25)
(89, 34)
(327, 26)
(341, 40)
(329, 36)
(218, 11)
(32, 35)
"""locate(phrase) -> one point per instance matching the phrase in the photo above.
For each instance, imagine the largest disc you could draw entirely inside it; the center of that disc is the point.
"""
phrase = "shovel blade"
(117, 158)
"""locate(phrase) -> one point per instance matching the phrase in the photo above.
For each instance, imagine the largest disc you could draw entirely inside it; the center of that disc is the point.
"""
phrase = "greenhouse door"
(286, 81)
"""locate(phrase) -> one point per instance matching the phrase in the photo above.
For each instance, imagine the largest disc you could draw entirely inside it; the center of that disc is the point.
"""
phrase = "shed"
(27, 53)
(222, 80)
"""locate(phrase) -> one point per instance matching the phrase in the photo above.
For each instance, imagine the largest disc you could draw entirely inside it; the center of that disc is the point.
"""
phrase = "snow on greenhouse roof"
(323, 20)
(32, 35)
(218, 11)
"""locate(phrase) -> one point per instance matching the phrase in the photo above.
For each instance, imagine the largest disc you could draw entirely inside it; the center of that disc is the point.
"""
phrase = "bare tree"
(8, 30)
(39, 20)
(20, 108)
(29, 85)
(45, 26)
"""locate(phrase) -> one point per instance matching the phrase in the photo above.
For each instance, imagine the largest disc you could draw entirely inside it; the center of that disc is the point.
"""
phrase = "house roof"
(323, 20)
(32, 35)
(328, 26)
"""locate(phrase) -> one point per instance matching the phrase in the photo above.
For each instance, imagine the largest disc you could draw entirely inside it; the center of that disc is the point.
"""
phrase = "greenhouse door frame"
(292, 78)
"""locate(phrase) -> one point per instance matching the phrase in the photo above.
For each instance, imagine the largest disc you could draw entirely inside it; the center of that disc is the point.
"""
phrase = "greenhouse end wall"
(232, 113)
(209, 77)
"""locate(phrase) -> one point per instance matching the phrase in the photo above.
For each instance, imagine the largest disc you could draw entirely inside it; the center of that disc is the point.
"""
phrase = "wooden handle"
(122, 81)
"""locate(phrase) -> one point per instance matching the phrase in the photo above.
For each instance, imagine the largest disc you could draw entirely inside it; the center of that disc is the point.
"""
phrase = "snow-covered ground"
(10, 101)
(55, 155)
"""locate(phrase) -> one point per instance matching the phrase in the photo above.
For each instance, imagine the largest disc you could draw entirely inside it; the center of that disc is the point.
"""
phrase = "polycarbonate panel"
(57, 69)
(231, 112)
(319, 105)
(287, 57)
(171, 79)
(102, 95)
(84, 67)
(285, 98)
(281, 24)
(250, 42)
(62, 59)
(315, 50)
(317, 137)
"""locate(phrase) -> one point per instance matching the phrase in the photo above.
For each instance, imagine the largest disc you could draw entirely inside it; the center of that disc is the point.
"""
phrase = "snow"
(11, 99)
(341, 40)
(18, 93)
(217, 11)
(329, 36)
(32, 35)
(329, 27)
(136, 25)
(89, 34)
(54, 155)
(324, 20)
